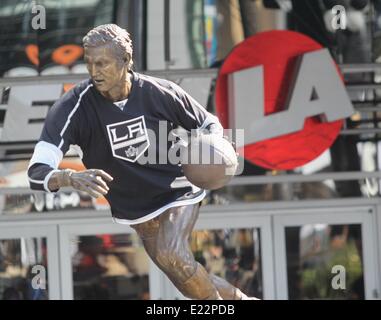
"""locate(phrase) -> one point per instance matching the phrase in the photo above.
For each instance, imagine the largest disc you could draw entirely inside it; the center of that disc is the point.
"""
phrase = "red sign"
(277, 52)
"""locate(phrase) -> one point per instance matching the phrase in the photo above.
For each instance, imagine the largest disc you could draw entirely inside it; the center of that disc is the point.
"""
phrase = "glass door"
(237, 247)
(326, 253)
(29, 268)
(105, 261)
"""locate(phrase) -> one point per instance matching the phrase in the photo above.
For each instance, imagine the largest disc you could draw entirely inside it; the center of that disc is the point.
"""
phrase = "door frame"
(16, 231)
(94, 227)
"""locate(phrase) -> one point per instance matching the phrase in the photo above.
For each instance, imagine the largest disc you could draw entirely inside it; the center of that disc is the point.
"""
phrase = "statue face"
(106, 69)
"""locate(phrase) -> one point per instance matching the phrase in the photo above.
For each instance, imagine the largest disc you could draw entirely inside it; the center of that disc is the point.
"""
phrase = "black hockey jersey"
(117, 139)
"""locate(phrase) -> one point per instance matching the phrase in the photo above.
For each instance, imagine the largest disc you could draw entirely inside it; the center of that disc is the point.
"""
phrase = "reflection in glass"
(292, 191)
(110, 267)
(313, 251)
(23, 269)
(14, 175)
(56, 49)
(232, 254)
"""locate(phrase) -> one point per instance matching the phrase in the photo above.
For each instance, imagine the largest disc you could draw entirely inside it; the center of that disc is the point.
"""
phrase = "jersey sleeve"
(60, 130)
(189, 114)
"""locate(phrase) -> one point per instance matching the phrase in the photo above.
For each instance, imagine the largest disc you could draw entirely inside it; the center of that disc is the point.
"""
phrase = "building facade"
(309, 232)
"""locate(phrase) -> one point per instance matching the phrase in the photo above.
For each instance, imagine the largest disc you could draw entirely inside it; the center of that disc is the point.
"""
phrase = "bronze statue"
(107, 116)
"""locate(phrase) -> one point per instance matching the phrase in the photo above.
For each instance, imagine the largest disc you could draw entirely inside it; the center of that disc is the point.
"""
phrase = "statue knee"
(179, 264)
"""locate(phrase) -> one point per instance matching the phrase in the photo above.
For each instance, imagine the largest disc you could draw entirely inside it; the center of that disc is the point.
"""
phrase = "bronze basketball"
(209, 161)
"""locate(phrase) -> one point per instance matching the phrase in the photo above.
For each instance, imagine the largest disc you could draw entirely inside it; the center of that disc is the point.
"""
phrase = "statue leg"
(166, 240)
(227, 290)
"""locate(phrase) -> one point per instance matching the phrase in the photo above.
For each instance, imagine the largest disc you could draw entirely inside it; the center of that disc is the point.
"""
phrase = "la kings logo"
(128, 139)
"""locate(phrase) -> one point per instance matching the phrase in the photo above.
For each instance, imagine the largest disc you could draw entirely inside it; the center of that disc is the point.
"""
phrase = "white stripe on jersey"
(71, 114)
(46, 153)
(213, 120)
(183, 182)
(36, 181)
(177, 203)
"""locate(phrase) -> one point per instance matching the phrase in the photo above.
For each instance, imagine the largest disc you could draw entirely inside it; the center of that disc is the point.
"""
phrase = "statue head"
(108, 56)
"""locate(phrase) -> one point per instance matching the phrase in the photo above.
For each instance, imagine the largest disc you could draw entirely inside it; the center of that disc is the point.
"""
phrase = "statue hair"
(113, 35)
